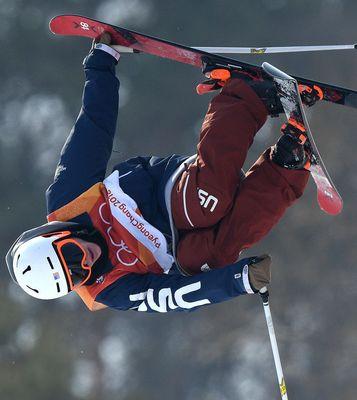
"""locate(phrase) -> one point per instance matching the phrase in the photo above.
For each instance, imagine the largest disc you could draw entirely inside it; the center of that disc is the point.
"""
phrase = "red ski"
(76, 25)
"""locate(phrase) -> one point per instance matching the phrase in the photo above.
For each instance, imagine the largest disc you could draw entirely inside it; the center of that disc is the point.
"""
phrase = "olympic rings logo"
(124, 255)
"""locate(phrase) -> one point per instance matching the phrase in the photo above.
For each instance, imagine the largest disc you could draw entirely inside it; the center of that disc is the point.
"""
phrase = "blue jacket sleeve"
(164, 293)
(85, 155)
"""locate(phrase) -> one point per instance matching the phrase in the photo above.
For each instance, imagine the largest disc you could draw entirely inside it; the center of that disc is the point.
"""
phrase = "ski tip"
(77, 25)
(331, 204)
(355, 46)
(56, 23)
(51, 23)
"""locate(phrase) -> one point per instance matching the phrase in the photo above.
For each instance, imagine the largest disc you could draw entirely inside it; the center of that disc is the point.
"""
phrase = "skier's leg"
(205, 191)
(263, 197)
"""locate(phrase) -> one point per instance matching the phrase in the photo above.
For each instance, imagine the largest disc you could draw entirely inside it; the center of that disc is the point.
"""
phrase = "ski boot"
(291, 150)
(218, 77)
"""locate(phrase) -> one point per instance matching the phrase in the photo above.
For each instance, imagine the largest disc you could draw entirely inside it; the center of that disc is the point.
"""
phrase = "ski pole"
(271, 50)
(256, 50)
(274, 345)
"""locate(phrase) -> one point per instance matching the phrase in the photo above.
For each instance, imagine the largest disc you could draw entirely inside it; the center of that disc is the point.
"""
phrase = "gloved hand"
(259, 272)
(104, 38)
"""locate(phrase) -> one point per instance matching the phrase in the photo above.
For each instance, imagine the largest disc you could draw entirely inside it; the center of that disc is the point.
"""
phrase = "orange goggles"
(72, 255)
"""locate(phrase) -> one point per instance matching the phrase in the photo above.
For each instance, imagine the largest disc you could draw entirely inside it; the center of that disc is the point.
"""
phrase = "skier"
(161, 234)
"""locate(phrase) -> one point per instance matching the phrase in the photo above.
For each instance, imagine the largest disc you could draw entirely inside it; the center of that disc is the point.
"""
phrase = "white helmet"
(38, 261)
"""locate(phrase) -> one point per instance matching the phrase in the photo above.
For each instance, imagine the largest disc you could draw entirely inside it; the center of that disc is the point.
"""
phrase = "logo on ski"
(261, 50)
(282, 387)
(84, 26)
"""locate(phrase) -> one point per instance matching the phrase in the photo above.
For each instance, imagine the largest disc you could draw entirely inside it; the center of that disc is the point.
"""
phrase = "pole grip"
(264, 294)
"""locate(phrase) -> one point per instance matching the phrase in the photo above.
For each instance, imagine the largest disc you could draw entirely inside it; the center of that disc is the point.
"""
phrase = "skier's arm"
(164, 293)
(85, 155)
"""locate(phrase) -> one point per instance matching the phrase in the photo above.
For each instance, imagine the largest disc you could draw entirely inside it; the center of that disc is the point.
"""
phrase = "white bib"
(124, 210)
